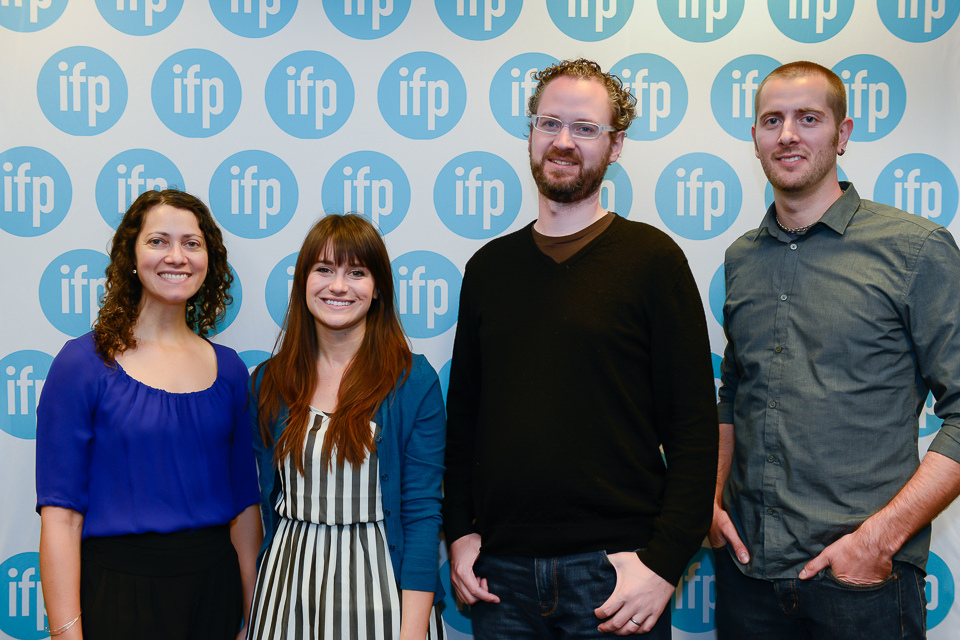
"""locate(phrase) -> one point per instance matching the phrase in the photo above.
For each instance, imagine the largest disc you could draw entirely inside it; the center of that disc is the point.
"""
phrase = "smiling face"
(796, 135)
(171, 256)
(339, 295)
(568, 169)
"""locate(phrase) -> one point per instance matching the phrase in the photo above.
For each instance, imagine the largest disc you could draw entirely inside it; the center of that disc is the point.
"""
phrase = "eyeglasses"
(579, 129)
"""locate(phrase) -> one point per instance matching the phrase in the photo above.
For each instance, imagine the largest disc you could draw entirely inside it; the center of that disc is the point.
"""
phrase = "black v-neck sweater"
(566, 380)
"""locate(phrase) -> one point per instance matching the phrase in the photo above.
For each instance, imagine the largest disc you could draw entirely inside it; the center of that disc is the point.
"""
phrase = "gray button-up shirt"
(834, 338)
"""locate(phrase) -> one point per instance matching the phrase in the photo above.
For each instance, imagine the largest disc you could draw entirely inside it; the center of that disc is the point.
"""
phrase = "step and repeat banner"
(412, 112)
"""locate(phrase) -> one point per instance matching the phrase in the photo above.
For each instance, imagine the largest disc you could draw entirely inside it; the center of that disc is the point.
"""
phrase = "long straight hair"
(290, 376)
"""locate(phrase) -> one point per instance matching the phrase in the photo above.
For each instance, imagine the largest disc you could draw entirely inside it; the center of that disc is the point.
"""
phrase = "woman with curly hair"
(146, 483)
(350, 443)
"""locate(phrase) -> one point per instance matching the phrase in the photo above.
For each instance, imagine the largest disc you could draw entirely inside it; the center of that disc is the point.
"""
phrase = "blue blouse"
(134, 459)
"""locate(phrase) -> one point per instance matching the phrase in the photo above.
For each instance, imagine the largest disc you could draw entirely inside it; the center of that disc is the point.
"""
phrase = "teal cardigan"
(410, 449)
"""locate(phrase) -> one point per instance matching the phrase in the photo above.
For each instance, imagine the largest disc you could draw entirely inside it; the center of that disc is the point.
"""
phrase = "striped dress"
(327, 573)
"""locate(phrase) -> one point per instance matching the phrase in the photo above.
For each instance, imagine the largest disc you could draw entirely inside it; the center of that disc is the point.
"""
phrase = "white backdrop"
(411, 112)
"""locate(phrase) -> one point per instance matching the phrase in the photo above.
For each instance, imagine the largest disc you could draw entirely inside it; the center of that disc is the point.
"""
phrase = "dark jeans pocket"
(873, 586)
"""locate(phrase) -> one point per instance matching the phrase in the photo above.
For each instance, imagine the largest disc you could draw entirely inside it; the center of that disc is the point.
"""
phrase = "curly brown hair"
(621, 100)
(113, 330)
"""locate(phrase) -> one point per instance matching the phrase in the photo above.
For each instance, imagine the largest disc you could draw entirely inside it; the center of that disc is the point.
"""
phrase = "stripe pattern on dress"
(328, 573)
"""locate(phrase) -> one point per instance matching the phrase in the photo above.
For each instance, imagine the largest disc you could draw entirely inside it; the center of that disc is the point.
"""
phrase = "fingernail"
(743, 558)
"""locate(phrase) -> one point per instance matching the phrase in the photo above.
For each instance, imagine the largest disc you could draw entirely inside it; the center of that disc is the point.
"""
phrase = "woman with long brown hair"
(146, 484)
(351, 449)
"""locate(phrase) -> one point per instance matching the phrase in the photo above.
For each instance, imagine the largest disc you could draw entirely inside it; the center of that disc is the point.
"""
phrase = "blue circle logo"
(27, 16)
(371, 184)
(479, 20)
(422, 95)
(35, 192)
(477, 195)
(140, 18)
(734, 90)
(24, 373)
(697, 21)
(82, 91)
(691, 609)
(511, 89)
(444, 375)
(196, 93)
(940, 590)
(309, 94)
(280, 287)
(698, 196)
(717, 294)
(616, 191)
(918, 21)
(930, 422)
(589, 20)
(366, 20)
(919, 184)
(70, 290)
(876, 95)
(717, 361)
(810, 20)
(252, 358)
(256, 19)
(661, 94)
(253, 194)
(24, 617)
(428, 293)
(129, 174)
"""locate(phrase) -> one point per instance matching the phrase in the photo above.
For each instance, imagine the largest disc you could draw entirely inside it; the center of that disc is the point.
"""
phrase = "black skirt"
(161, 586)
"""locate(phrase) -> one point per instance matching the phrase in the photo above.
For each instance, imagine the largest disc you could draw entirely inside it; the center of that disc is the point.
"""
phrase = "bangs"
(347, 245)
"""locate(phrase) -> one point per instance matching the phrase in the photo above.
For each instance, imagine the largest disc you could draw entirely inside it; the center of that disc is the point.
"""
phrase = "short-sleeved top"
(134, 459)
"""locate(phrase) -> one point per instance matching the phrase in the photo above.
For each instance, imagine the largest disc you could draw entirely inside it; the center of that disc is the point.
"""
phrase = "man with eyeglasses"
(581, 350)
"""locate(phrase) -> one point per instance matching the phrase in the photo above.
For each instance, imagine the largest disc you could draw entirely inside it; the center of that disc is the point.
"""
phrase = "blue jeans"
(548, 598)
(822, 607)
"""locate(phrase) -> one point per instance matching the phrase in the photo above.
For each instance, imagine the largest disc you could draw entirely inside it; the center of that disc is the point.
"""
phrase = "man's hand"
(853, 559)
(723, 532)
(463, 553)
(866, 555)
(639, 597)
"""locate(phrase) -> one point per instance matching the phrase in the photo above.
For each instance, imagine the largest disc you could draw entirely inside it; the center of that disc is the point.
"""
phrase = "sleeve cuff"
(725, 412)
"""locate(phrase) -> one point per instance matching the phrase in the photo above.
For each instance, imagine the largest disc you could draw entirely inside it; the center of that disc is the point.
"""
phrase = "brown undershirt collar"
(559, 248)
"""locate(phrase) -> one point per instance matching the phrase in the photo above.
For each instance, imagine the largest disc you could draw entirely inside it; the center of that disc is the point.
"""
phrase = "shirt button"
(393, 547)
(783, 296)
(379, 438)
(387, 512)
(773, 404)
(769, 511)
(770, 458)
(778, 348)
(793, 246)
(383, 477)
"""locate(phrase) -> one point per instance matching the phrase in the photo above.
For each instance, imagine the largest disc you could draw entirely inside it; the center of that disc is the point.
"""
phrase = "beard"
(568, 190)
(822, 163)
